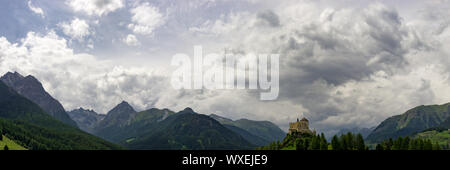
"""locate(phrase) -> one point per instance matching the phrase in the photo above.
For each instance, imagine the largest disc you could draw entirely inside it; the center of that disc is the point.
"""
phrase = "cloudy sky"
(343, 63)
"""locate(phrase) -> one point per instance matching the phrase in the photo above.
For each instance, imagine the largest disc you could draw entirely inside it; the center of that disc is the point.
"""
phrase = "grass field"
(11, 144)
(443, 138)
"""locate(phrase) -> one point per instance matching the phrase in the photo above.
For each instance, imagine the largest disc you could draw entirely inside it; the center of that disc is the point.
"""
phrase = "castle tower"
(301, 126)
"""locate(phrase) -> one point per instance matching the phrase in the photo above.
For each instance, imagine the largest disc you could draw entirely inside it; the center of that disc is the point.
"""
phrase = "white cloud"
(131, 40)
(35, 9)
(146, 18)
(76, 29)
(95, 7)
(79, 79)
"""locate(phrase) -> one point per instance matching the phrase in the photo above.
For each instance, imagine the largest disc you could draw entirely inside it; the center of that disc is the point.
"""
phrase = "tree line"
(350, 141)
(297, 141)
(406, 143)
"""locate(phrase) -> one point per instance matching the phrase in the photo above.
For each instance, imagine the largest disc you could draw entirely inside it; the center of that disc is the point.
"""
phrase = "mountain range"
(186, 130)
(30, 126)
(86, 119)
(166, 129)
(35, 114)
(33, 119)
(411, 122)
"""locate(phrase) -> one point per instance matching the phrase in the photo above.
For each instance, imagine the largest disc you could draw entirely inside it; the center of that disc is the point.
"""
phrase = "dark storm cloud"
(348, 47)
(344, 54)
(341, 67)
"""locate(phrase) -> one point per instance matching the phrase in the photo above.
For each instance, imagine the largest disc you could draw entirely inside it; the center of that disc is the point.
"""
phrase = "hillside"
(10, 143)
(411, 122)
(253, 139)
(114, 127)
(28, 125)
(442, 137)
(191, 131)
(439, 134)
(265, 130)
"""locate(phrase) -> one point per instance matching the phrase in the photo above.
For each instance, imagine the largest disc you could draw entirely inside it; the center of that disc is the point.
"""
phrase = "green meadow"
(11, 144)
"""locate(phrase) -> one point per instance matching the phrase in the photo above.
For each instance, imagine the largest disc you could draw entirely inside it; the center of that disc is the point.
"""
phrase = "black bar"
(275, 159)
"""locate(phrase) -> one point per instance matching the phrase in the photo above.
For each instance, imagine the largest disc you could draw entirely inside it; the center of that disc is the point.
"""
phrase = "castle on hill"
(301, 126)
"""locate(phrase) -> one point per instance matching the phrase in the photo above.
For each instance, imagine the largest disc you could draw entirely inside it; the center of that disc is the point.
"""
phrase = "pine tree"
(343, 142)
(397, 143)
(300, 144)
(388, 144)
(420, 144)
(335, 143)
(322, 137)
(413, 144)
(436, 146)
(315, 143)
(360, 145)
(379, 147)
(349, 141)
(306, 143)
(323, 142)
(405, 144)
(428, 145)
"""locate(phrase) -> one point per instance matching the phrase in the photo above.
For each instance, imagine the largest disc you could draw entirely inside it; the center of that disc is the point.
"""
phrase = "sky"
(343, 63)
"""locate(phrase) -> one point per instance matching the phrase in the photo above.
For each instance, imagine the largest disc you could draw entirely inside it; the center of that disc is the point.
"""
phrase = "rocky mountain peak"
(32, 89)
(123, 107)
(10, 78)
(188, 110)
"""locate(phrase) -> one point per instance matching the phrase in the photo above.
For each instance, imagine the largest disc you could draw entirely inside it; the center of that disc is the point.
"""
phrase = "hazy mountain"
(253, 139)
(28, 125)
(188, 130)
(140, 124)
(265, 130)
(120, 115)
(363, 131)
(86, 119)
(410, 122)
(32, 89)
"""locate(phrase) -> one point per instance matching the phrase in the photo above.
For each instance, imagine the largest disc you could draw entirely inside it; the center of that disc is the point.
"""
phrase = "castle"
(301, 126)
